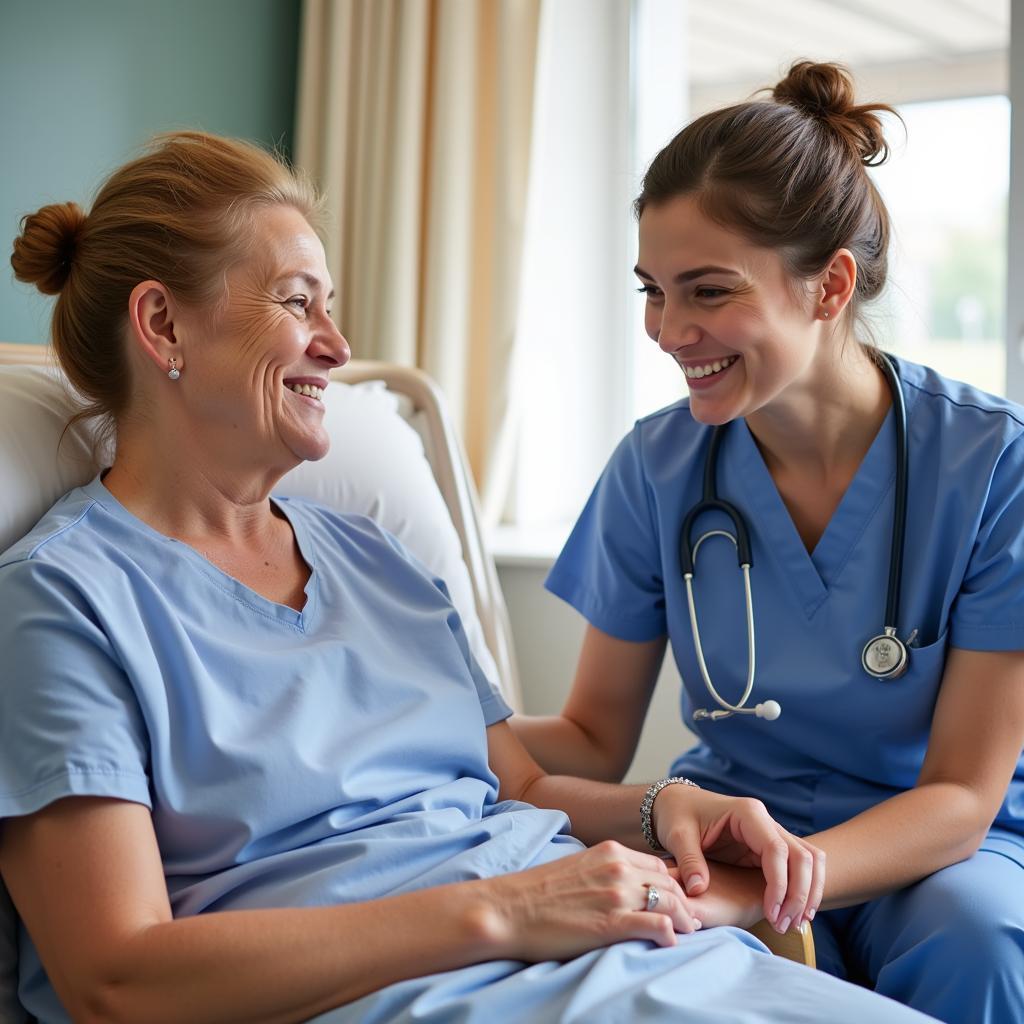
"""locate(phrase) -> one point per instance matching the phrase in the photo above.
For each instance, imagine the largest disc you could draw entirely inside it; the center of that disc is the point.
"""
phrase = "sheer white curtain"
(414, 117)
(612, 89)
(573, 358)
(480, 158)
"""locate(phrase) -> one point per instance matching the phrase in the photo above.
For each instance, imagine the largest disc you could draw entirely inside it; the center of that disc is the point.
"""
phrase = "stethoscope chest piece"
(885, 656)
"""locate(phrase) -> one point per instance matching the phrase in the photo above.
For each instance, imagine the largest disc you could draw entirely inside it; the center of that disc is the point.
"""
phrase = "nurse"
(762, 238)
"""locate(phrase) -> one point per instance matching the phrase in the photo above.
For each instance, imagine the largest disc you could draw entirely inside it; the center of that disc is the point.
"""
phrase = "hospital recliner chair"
(395, 456)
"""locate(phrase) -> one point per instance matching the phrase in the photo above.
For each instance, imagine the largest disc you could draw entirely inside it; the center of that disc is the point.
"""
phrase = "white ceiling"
(905, 50)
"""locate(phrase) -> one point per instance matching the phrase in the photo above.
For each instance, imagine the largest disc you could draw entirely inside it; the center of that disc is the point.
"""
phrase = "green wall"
(83, 83)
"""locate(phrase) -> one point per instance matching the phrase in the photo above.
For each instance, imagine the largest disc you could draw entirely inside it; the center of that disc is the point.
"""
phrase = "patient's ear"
(151, 317)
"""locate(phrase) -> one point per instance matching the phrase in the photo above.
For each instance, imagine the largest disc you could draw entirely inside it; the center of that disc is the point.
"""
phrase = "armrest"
(797, 944)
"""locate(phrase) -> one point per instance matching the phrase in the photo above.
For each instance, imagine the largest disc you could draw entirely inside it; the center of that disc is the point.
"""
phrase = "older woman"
(249, 770)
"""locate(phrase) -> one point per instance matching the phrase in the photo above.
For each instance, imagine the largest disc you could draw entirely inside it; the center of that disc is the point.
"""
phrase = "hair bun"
(45, 251)
(825, 92)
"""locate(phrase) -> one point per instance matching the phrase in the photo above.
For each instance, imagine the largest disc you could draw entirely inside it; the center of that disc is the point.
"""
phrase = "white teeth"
(697, 372)
(309, 390)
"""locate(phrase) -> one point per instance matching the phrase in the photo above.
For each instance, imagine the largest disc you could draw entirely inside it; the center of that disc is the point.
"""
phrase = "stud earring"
(174, 373)
(825, 314)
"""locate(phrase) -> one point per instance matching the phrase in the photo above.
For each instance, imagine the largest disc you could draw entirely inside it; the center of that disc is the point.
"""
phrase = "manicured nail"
(773, 917)
(692, 881)
(784, 926)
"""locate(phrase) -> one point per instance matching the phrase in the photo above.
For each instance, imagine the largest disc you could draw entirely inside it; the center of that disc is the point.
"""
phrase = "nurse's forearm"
(596, 810)
(563, 747)
(899, 841)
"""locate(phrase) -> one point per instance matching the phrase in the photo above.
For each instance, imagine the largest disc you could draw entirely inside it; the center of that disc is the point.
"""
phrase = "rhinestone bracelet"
(647, 807)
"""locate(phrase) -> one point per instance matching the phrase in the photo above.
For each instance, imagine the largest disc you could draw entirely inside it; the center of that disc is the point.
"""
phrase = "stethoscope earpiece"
(884, 657)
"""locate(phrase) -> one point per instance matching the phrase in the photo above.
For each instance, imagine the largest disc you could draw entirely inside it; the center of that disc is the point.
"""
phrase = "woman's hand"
(690, 823)
(693, 824)
(733, 897)
(584, 901)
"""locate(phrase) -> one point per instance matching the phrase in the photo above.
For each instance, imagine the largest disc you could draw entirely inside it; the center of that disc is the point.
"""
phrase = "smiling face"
(259, 362)
(741, 329)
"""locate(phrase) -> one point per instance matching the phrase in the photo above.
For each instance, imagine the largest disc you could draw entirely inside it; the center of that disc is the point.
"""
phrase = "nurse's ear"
(835, 286)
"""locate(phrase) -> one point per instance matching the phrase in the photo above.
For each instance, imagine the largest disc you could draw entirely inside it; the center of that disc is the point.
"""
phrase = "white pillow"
(35, 406)
(376, 466)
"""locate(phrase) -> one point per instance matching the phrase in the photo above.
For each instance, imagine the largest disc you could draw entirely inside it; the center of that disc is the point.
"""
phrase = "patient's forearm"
(283, 965)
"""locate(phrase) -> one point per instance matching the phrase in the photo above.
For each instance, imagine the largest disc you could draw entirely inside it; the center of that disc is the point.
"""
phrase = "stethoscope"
(885, 656)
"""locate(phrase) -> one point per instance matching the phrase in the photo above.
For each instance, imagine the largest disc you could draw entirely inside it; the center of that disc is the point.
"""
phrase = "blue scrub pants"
(951, 946)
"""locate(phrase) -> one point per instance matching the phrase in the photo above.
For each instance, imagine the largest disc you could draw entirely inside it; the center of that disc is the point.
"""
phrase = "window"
(944, 65)
(946, 189)
(586, 369)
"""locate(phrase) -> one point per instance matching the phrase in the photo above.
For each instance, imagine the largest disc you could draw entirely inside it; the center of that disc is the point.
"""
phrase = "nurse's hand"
(582, 902)
(694, 824)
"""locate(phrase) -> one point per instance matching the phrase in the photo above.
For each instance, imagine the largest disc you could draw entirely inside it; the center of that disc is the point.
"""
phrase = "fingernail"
(810, 914)
(697, 924)
(775, 913)
(692, 881)
(784, 925)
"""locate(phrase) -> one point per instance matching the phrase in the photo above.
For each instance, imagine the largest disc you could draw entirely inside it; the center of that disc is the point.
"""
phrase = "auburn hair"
(181, 213)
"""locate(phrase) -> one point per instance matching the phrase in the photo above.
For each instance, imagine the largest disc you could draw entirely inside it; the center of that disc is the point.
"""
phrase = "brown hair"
(788, 174)
(180, 214)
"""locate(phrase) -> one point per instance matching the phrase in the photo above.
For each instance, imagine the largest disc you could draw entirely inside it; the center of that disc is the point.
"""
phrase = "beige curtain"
(414, 117)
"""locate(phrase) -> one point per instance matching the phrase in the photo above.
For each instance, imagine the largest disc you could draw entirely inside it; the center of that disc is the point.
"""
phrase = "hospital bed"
(395, 456)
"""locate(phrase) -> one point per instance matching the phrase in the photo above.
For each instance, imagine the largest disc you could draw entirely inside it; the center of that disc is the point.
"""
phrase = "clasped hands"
(786, 884)
(600, 895)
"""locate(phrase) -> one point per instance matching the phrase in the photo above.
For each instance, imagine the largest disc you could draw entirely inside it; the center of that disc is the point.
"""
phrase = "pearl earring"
(174, 373)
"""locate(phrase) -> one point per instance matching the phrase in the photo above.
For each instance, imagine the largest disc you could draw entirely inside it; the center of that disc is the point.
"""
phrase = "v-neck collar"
(812, 573)
(245, 595)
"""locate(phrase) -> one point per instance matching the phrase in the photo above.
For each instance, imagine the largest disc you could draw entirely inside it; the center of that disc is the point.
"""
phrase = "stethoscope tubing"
(740, 705)
(710, 502)
(899, 530)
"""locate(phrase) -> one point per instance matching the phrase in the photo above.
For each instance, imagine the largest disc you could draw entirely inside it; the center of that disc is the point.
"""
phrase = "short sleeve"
(493, 705)
(70, 724)
(988, 613)
(610, 568)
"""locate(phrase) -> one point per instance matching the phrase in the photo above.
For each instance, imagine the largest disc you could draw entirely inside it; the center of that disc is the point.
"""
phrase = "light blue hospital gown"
(317, 757)
(952, 945)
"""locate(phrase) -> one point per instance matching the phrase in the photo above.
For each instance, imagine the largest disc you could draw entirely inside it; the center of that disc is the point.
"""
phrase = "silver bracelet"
(647, 807)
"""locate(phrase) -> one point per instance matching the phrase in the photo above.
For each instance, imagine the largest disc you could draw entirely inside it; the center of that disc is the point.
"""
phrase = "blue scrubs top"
(313, 758)
(844, 741)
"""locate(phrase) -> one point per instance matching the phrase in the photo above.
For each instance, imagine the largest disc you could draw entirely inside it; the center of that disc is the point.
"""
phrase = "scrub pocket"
(901, 710)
